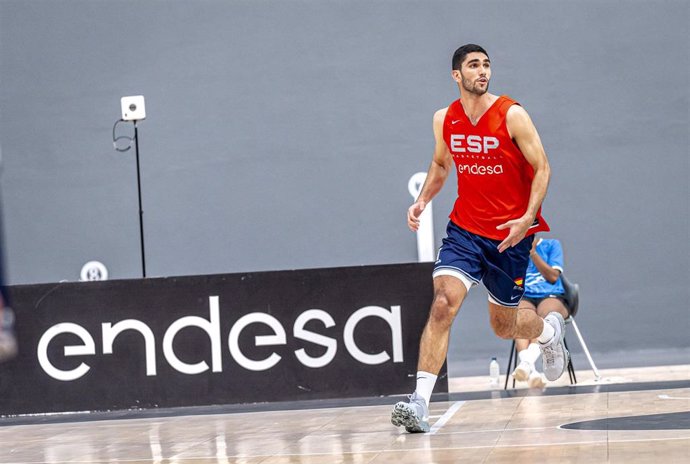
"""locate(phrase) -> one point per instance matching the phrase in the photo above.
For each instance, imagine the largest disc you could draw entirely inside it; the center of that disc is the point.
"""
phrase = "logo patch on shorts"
(519, 281)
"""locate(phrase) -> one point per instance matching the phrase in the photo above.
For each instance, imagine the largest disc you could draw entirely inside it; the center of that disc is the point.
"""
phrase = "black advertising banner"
(217, 339)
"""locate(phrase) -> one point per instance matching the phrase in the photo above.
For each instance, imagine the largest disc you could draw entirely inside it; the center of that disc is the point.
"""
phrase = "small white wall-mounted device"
(133, 108)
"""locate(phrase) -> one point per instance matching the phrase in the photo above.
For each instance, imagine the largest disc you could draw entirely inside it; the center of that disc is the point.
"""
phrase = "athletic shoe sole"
(561, 343)
(404, 415)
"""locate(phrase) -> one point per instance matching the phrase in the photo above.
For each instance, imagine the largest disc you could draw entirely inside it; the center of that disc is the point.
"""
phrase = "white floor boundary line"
(445, 417)
(667, 397)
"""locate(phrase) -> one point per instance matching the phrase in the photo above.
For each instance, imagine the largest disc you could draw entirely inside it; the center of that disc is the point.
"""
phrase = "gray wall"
(282, 134)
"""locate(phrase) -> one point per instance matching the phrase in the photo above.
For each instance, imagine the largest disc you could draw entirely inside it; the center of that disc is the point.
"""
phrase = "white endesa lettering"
(392, 317)
(211, 326)
(278, 338)
(88, 348)
(475, 143)
(303, 334)
(480, 170)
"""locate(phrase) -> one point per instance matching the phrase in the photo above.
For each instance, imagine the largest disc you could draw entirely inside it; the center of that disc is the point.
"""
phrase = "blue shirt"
(536, 286)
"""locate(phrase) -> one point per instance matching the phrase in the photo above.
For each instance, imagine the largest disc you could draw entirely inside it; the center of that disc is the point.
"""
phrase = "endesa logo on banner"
(218, 339)
(211, 326)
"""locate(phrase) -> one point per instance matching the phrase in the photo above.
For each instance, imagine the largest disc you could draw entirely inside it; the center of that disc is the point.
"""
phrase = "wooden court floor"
(634, 423)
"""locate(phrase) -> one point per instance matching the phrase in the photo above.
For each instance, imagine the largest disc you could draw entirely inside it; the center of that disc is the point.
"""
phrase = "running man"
(503, 174)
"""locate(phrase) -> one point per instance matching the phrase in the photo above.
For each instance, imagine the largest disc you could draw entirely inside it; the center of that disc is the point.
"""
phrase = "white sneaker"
(523, 371)
(536, 380)
(554, 355)
(413, 415)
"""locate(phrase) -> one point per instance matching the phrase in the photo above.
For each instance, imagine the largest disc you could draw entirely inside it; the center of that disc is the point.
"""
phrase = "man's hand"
(518, 229)
(413, 213)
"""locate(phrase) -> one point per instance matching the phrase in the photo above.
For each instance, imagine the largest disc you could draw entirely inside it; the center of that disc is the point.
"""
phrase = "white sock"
(547, 334)
(530, 354)
(425, 385)
(522, 355)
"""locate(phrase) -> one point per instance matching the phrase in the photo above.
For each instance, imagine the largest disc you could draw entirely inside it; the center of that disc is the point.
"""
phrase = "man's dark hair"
(462, 52)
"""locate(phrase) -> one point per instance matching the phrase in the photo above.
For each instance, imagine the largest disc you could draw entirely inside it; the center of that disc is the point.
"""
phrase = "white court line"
(446, 417)
(666, 397)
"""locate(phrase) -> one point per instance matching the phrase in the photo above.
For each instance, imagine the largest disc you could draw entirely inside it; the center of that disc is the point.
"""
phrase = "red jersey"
(494, 178)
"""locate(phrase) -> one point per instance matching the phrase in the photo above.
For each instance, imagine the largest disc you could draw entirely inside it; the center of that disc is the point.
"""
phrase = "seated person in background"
(543, 294)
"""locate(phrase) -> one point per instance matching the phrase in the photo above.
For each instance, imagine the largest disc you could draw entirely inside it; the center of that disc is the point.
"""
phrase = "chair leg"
(515, 361)
(510, 359)
(597, 376)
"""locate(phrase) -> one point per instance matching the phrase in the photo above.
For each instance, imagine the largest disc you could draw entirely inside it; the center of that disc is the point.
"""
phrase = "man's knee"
(551, 305)
(504, 323)
(444, 308)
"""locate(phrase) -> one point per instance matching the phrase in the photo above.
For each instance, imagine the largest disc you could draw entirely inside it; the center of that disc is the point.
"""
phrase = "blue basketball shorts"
(473, 258)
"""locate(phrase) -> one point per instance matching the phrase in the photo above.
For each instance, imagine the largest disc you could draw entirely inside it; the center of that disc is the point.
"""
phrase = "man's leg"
(522, 343)
(551, 304)
(528, 352)
(509, 322)
(504, 279)
(449, 293)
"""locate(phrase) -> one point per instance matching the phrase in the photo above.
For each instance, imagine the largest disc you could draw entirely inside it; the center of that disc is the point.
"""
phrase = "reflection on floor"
(584, 377)
(480, 426)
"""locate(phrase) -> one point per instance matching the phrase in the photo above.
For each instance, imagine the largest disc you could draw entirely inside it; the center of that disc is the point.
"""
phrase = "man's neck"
(476, 105)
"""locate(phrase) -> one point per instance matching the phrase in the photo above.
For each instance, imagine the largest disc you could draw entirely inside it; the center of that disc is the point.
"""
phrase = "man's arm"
(549, 272)
(524, 133)
(441, 165)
